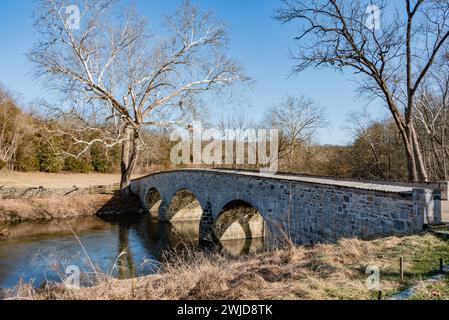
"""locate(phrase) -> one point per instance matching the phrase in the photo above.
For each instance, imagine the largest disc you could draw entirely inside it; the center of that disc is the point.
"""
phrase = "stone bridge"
(241, 204)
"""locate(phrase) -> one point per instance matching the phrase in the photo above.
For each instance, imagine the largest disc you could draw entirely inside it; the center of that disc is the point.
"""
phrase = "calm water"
(42, 251)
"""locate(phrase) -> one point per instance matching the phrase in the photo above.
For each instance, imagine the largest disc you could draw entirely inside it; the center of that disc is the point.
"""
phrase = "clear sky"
(258, 42)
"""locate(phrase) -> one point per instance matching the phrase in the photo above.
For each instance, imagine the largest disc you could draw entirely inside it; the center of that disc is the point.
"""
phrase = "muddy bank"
(40, 192)
(5, 233)
(58, 207)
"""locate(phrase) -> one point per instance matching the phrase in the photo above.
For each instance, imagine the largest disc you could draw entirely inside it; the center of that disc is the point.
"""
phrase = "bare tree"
(391, 61)
(364, 128)
(237, 127)
(431, 115)
(297, 119)
(113, 62)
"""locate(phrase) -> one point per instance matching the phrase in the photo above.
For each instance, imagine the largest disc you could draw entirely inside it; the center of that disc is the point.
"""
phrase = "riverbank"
(325, 271)
(44, 196)
(56, 207)
(61, 207)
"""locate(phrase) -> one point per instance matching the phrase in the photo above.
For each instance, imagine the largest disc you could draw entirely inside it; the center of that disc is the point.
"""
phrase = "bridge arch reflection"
(239, 220)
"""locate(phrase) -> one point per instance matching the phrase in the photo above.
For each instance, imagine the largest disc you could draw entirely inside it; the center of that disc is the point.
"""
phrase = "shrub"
(26, 157)
(49, 160)
(105, 160)
(2, 164)
(27, 162)
(82, 165)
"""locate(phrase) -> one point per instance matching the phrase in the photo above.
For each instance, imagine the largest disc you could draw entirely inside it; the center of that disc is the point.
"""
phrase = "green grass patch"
(434, 291)
(421, 260)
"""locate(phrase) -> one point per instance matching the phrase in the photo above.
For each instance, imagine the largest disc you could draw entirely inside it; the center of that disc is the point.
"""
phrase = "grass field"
(55, 180)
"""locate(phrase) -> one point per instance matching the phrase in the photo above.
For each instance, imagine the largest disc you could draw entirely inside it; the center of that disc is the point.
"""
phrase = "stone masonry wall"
(327, 213)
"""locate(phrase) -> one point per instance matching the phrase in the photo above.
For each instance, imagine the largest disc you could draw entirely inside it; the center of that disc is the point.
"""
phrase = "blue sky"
(260, 44)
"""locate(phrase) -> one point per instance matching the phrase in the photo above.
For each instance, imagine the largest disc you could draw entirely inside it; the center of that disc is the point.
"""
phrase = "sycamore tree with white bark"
(108, 65)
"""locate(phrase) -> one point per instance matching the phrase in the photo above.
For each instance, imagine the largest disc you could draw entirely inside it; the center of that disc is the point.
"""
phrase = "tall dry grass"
(326, 271)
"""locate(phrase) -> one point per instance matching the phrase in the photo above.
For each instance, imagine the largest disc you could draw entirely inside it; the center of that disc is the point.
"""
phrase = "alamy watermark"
(230, 146)
(372, 282)
(372, 20)
(73, 17)
(73, 277)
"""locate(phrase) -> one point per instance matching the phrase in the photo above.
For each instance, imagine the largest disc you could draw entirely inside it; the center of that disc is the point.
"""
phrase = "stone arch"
(239, 220)
(153, 200)
(184, 206)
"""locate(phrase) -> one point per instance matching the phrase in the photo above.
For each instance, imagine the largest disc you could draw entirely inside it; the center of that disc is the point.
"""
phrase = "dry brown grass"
(52, 207)
(319, 272)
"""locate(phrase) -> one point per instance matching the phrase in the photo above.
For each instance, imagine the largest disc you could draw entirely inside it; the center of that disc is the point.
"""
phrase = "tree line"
(31, 142)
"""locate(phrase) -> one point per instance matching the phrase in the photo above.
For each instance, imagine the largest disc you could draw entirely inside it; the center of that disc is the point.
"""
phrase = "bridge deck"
(375, 186)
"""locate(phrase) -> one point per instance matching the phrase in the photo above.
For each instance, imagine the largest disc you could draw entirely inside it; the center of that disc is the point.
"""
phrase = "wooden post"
(401, 268)
(441, 265)
(444, 190)
(379, 295)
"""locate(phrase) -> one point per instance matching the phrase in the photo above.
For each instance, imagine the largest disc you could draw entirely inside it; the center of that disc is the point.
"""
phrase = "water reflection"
(125, 262)
(239, 247)
(184, 232)
(124, 247)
